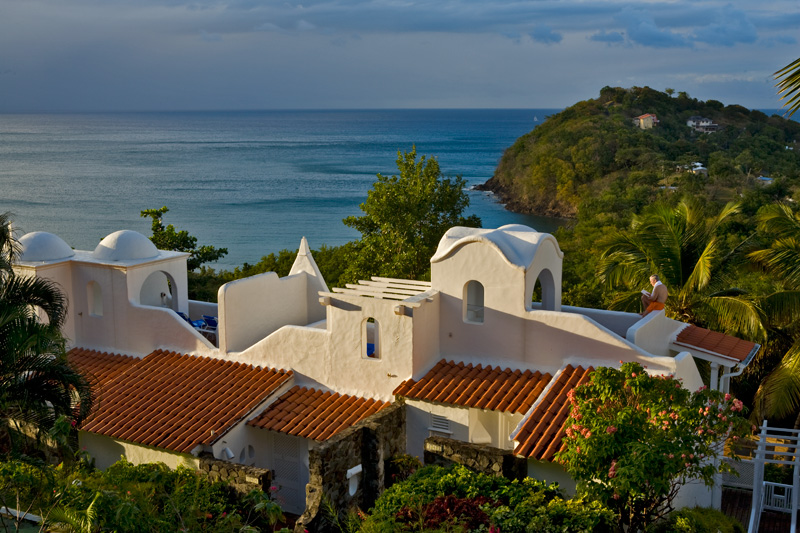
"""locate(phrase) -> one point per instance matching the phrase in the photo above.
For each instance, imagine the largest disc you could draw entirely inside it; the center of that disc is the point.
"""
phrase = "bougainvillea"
(633, 439)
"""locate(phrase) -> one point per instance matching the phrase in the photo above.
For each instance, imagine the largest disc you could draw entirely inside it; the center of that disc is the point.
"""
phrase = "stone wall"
(333, 464)
(479, 457)
(241, 477)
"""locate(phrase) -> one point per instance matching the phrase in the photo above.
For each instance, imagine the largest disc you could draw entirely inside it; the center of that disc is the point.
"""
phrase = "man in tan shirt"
(654, 301)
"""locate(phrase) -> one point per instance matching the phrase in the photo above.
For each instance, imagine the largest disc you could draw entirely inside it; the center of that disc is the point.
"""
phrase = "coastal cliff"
(644, 140)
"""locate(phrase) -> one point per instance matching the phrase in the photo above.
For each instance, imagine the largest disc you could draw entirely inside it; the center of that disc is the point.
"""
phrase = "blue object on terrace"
(195, 323)
(210, 322)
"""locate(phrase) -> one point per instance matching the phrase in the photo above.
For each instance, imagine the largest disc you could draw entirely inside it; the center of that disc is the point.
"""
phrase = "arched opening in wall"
(94, 295)
(473, 302)
(370, 339)
(157, 291)
(544, 292)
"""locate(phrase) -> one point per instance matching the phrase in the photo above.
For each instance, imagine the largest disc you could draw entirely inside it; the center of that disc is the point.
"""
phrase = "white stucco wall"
(551, 473)
(418, 423)
(654, 332)
(107, 451)
(617, 322)
(287, 456)
(61, 273)
(252, 308)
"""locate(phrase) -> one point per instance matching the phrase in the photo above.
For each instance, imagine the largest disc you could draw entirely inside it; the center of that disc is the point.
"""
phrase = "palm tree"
(789, 86)
(37, 384)
(683, 248)
(778, 394)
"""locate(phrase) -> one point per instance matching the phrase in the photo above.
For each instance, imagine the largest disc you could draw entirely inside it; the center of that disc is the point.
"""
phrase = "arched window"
(473, 302)
(371, 339)
(94, 295)
(544, 291)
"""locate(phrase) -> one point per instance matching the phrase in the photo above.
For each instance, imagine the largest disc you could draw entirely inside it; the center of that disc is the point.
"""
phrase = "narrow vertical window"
(473, 302)
(95, 298)
(371, 339)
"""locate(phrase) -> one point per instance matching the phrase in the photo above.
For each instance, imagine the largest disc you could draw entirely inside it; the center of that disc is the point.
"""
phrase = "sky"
(142, 55)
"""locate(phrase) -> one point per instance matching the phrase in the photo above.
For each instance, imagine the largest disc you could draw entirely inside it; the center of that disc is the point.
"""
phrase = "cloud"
(607, 37)
(731, 27)
(642, 29)
(210, 37)
(543, 34)
(304, 25)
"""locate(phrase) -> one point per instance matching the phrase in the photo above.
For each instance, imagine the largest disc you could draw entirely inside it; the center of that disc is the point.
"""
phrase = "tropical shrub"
(633, 439)
(437, 498)
(697, 520)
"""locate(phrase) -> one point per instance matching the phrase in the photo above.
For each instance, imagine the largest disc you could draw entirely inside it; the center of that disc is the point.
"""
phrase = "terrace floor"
(736, 504)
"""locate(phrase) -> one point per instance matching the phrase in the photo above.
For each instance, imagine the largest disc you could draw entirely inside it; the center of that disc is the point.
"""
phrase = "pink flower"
(672, 456)
(727, 396)
(611, 429)
(633, 374)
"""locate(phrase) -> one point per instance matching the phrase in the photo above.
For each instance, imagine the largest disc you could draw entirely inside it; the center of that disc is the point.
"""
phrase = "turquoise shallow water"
(254, 182)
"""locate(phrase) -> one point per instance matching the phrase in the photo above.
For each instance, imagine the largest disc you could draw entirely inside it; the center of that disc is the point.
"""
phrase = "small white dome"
(125, 245)
(43, 246)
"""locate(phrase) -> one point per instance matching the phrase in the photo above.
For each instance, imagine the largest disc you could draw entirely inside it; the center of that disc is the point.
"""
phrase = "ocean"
(254, 182)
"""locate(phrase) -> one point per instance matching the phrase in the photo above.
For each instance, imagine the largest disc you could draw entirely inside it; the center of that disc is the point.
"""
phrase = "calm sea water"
(254, 182)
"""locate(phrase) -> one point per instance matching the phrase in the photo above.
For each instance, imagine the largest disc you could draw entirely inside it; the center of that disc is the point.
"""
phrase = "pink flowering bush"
(633, 439)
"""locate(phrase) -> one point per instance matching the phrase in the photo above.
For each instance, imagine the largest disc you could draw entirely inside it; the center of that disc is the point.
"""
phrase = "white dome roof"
(125, 245)
(43, 246)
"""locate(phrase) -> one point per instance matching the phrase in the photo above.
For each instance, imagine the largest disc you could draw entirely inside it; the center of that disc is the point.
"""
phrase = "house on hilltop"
(646, 121)
(702, 124)
(322, 385)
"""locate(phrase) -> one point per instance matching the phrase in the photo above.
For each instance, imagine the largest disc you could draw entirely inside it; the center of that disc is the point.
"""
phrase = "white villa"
(292, 362)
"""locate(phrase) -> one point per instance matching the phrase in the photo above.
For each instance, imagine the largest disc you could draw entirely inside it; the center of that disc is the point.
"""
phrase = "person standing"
(654, 301)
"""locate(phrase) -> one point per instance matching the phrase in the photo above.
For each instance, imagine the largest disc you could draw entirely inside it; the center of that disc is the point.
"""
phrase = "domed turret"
(125, 245)
(43, 246)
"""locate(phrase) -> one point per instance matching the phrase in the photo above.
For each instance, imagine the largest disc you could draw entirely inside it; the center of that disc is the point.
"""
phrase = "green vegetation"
(697, 520)
(166, 238)
(591, 155)
(458, 499)
(132, 498)
(41, 395)
(789, 84)
(688, 252)
(633, 439)
(404, 218)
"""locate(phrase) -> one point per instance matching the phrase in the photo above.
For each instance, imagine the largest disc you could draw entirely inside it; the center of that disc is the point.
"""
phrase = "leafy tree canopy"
(633, 439)
(404, 218)
(576, 156)
(167, 238)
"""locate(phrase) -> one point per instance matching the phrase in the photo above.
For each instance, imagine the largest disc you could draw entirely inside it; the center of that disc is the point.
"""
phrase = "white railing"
(775, 446)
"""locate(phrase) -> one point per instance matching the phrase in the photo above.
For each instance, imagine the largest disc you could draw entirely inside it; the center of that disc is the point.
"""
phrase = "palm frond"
(779, 393)
(736, 315)
(783, 307)
(789, 86)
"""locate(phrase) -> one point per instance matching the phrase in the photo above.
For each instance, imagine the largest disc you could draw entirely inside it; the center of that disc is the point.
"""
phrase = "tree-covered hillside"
(593, 151)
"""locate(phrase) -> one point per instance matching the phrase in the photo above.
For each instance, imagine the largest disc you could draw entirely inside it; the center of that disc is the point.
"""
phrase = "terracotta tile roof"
(99, 367)
(479, 387)
(540, 434)
(717, 343)
(176, 402)
(315, 414)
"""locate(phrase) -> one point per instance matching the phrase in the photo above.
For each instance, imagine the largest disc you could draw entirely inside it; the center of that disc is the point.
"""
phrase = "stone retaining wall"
(332, 467)
(478, 457)
(241, 477)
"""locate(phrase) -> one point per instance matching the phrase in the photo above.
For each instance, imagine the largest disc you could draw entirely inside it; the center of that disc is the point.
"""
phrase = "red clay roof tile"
(478, 387)
(714, 342)
(178, 402)
(541, 432)
(315, 414)
(99, 367)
